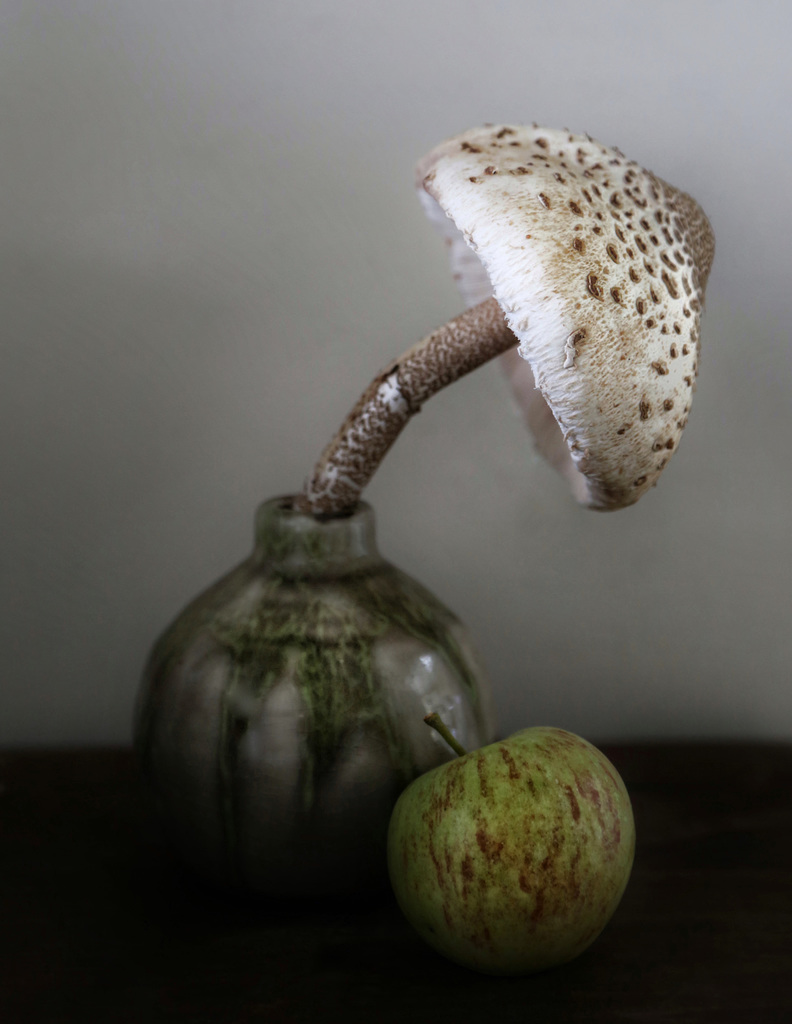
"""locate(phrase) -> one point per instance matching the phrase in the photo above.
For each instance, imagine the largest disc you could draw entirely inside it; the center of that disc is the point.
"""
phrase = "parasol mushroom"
(588, 267)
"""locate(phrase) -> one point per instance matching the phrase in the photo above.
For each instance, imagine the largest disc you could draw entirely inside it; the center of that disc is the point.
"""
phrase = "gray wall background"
(210, 243)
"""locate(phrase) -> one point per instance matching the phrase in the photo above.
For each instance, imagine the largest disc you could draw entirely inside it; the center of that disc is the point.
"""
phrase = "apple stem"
(436, 722)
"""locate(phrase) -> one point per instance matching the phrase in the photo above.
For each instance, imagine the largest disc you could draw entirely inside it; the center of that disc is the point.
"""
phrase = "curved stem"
(396, 394)
(436, 722)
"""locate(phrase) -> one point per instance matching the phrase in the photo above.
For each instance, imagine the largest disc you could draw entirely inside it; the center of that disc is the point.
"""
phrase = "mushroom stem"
(396, 394)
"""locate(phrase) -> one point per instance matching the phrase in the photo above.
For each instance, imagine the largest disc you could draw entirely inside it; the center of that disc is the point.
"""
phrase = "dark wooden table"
(98, 923)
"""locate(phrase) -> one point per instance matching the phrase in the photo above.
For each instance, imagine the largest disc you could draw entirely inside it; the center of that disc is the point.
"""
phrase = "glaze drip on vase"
(281, 714)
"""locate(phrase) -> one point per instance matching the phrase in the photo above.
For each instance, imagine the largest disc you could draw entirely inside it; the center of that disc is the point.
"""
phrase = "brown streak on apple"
(489, 847)
(610, 829)
(433, 813)
(574, 805)
(454, 788)
(590, 793)
(513, 773)
(482, 776)
(539, 906)
(467, 875)
(612, 837)
(441, 878)
(574, 883)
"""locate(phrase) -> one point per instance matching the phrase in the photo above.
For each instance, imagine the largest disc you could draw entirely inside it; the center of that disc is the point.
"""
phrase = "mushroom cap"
(600, 268)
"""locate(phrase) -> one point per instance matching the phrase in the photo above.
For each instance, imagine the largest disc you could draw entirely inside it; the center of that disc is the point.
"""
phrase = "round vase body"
(281, 714)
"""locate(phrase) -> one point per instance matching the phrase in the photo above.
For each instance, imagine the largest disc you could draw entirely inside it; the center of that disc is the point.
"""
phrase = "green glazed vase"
(281, 714)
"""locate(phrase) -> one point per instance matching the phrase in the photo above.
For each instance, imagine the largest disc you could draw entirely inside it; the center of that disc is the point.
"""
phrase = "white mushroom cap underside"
(600, 268)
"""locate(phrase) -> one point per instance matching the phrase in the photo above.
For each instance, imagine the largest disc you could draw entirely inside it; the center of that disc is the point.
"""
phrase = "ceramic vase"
(281, 714)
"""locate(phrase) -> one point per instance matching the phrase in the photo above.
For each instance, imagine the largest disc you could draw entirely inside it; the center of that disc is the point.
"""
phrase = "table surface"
(99, 923)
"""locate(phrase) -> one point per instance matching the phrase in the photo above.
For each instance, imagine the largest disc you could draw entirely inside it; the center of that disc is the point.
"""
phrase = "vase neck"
(299, 545)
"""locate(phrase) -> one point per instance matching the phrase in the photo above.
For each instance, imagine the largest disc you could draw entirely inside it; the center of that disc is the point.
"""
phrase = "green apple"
(512, 858)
